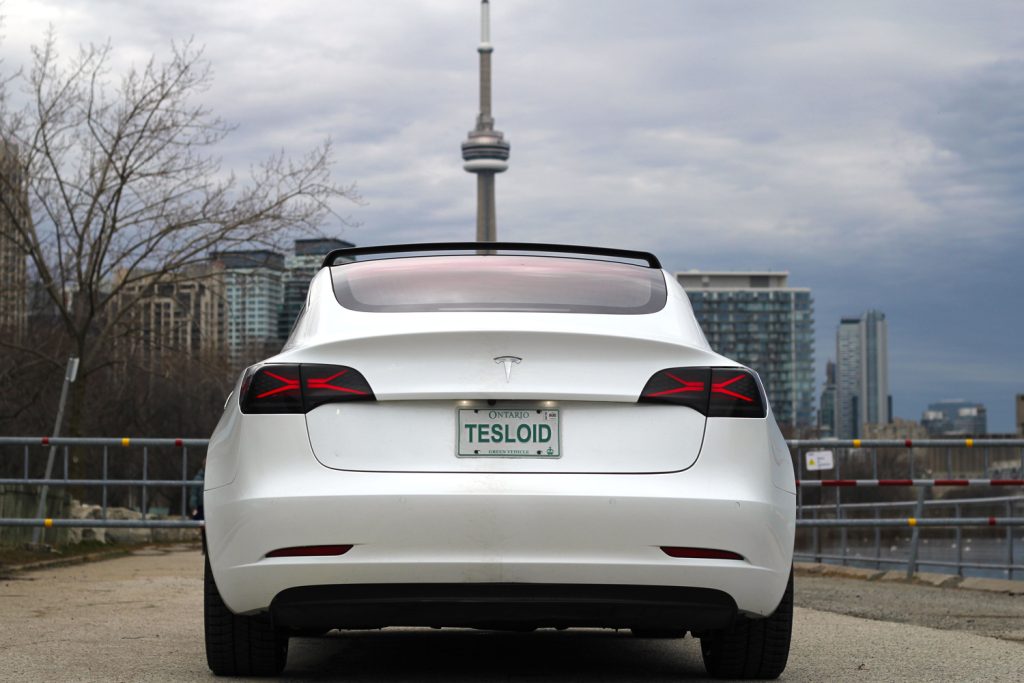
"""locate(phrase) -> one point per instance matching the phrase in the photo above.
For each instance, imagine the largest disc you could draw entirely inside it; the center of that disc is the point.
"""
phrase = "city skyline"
(871, 151)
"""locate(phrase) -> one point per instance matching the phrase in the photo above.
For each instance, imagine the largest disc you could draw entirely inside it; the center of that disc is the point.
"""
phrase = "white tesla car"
(530, 436)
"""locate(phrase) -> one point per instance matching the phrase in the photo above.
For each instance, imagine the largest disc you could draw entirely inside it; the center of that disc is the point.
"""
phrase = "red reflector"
(700, 553)
(310, 551)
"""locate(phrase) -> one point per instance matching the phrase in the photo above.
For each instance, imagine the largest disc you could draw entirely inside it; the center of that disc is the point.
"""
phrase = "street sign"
(819, 460)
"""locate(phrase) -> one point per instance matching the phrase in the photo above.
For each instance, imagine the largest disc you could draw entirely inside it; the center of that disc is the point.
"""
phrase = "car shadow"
(469, 655)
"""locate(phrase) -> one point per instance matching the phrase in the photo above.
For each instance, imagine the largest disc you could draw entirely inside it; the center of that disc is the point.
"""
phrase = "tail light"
(714, 392)
(332, 384)
(735, 393)
(679, 386)
(301, 388)
(272, 389)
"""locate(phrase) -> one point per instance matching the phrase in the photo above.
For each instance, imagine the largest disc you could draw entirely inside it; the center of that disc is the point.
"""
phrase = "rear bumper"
(479, 529)
(501, 605)
(484, 529)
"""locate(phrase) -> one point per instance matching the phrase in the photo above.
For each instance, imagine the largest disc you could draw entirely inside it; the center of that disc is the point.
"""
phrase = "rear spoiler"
(489, 248)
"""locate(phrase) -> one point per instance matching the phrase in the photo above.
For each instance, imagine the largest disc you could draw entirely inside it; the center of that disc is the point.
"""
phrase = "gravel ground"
(139, 618)
(988, 614)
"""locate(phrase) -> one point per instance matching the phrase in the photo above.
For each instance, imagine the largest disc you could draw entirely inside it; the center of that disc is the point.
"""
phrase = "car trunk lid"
(584, 387)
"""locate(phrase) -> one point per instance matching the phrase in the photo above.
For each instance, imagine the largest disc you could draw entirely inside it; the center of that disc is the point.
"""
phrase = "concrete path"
(139, 618)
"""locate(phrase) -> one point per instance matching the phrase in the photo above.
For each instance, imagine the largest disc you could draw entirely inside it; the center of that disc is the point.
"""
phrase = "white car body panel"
(420, 436)
(384, 477)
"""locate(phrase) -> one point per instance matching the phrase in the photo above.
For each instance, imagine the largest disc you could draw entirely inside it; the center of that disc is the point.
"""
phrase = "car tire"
(659, 632)
(751, 648)
(239, 645)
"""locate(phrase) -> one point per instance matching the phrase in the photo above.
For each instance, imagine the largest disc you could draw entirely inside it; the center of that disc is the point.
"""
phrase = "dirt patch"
(23, 558)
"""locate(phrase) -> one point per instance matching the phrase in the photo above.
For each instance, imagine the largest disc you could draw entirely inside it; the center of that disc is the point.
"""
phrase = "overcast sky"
(875, 150)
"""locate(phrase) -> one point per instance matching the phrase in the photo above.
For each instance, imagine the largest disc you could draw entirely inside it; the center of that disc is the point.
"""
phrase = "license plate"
(509, 433)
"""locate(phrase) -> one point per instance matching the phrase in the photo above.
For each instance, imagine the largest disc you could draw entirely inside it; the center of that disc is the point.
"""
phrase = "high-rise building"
(756, 319)
(827, 411)
(299, 268)
(175, 313)
(486, 151)
(14, 213)
(862, 374)
(955, 417)
(848, 364)
(254, 295)
(1020, 414)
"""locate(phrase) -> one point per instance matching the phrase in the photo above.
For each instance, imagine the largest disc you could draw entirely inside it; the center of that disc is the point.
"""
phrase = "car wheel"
(751, 648)
(659, 632)
(239, 645)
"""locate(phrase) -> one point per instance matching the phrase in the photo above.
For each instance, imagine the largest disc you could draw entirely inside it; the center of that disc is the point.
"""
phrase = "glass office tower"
(756, 319)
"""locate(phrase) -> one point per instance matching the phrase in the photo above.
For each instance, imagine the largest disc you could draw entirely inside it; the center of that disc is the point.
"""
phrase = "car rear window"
(499, 283)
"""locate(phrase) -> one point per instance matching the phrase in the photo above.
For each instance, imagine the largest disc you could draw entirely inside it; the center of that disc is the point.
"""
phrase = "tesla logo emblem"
(508, 362)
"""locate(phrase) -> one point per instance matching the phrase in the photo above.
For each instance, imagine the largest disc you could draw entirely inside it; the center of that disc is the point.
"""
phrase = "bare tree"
(123, 187)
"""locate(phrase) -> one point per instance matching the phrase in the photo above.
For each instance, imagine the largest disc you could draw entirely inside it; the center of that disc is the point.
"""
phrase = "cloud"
(873, 149)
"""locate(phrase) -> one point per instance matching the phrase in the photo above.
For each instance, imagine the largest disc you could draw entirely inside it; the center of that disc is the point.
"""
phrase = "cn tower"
(485, 152)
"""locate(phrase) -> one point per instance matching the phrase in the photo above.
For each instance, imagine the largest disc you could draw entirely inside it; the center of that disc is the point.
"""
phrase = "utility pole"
(69, 376)
(485, 152)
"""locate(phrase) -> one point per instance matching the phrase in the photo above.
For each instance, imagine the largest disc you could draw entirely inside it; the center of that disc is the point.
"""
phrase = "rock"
(80, 511)
(939, 580)
(94, 534)
(851, 572)
(123, 513)
(119, 535)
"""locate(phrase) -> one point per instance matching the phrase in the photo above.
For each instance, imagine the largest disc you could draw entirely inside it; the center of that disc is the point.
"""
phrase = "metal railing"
(836, 505)
(826, 514)
(99, 456)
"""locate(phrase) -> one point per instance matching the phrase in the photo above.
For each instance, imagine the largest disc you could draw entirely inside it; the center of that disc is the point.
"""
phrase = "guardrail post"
(816, 539)
(878, 529)
(878, 540)
(145, 477)
(103, 510)
(839, 513)
(915, 535)
(184, 477)
(1009, 542)
(1011, 554)
(959, 543)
